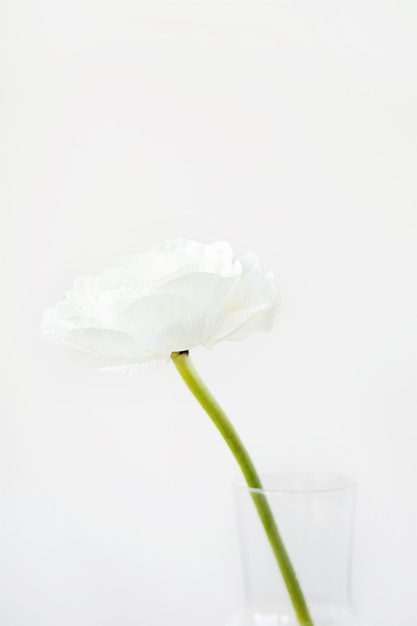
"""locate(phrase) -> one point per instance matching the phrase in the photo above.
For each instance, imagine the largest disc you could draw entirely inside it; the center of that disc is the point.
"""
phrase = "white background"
(288, 128)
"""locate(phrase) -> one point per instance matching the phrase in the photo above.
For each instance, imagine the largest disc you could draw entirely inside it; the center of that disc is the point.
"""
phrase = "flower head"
(178, 295)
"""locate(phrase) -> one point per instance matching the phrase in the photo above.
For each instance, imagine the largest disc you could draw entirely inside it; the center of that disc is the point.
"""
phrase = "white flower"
(178, 295)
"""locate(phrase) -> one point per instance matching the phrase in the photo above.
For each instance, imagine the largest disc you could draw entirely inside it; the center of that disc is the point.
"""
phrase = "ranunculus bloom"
(178, 295)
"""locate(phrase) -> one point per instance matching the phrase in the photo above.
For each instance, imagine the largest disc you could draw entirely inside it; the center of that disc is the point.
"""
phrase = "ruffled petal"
(252, 305)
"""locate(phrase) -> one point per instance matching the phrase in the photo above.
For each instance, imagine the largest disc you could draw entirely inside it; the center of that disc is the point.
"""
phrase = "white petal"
(252, 306)
(186, 334)
(148, 315)
(57, 321)
(105, 342)
(202, 291)
(175, 257)
(84, 295)
(180, 301)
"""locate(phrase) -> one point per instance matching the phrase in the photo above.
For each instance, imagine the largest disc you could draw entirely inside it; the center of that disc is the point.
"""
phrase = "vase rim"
(299, 483)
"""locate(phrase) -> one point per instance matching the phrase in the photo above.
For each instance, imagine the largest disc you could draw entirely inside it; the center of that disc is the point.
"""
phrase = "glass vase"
(314, 517)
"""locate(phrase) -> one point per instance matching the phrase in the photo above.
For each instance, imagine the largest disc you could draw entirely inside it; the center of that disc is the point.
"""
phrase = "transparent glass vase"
(314, 516)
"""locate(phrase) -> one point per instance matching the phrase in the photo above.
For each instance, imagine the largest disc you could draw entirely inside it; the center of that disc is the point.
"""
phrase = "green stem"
(193, 381)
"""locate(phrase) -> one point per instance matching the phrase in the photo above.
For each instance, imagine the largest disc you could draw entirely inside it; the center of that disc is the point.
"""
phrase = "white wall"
(288, 128)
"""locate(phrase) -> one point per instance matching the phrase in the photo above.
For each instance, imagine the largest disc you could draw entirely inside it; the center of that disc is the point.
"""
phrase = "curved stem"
(193, 381)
